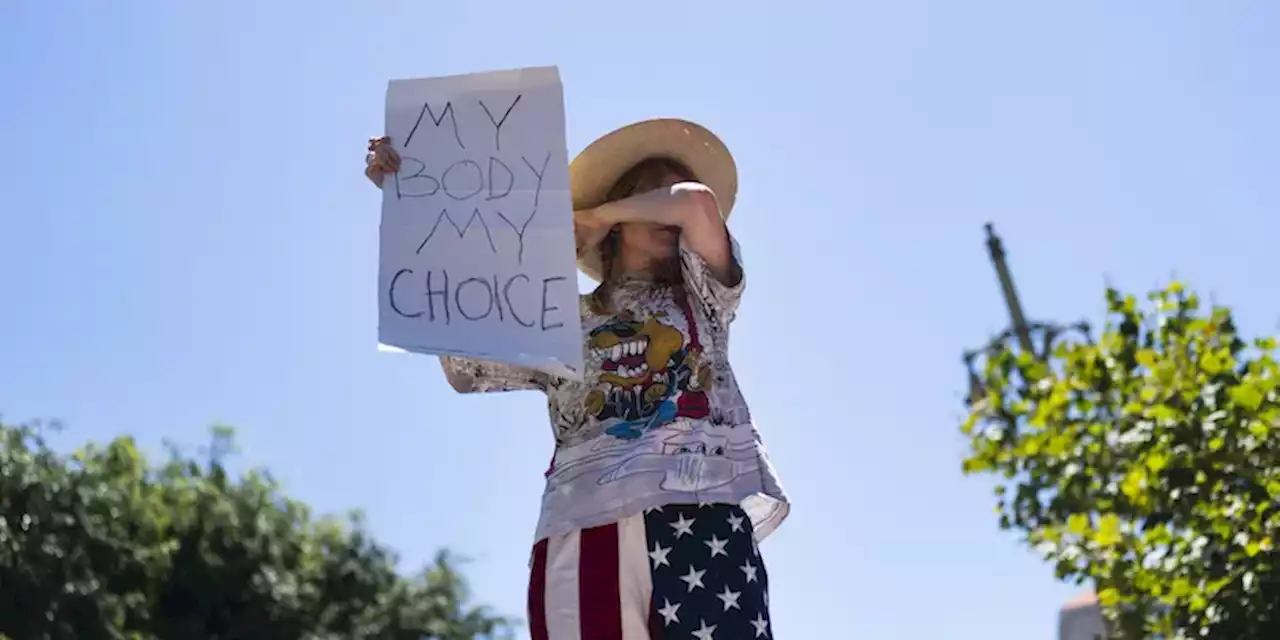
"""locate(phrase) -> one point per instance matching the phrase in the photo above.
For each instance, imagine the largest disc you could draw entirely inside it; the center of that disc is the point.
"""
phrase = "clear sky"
(186, 238)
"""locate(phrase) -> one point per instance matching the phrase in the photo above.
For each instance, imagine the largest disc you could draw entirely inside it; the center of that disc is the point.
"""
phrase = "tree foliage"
(101, 545)
(1146, 464)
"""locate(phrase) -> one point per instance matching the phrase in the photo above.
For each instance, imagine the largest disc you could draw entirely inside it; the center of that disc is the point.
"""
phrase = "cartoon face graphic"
(648, 376)
(633, 352)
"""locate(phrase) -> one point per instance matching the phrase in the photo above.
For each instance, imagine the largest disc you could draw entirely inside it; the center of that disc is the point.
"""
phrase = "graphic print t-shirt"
(659, 418)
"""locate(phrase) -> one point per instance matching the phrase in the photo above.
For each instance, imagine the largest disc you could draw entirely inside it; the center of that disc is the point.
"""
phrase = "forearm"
(704, 232)
(690, 206)
(591, 226)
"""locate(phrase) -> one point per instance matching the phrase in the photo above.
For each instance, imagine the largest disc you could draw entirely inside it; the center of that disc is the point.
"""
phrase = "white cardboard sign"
(476, 254)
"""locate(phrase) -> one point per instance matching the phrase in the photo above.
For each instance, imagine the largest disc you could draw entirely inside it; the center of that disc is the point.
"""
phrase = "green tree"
(1146, 464)
(101, 545)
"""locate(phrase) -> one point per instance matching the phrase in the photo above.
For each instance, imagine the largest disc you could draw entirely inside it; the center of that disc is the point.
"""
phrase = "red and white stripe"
(592, 584)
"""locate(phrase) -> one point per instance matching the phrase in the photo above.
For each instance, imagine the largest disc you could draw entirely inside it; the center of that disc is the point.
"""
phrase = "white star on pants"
(705, 632)
(669, 612)
(717, 546)
(694, 579)
(659, 555)
(730, 598)
(683, 526)
(749, 570)
(760, 624)
(735, 522)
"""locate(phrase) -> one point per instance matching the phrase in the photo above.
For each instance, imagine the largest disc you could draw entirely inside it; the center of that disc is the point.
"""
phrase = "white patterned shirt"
(659, 418)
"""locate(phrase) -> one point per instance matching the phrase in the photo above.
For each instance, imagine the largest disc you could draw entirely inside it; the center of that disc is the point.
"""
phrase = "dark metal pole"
(1020, 328)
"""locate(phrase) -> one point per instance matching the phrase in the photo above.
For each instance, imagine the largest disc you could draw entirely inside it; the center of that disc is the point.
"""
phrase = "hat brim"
(594, 171)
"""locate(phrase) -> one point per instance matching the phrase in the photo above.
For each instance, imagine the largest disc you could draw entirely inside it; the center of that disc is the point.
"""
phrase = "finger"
(378, 165)
(388, 156)
(387, 165)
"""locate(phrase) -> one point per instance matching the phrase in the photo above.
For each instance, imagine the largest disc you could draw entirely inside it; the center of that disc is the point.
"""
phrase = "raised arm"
(468, 375)
(688, 205)
(703, 231)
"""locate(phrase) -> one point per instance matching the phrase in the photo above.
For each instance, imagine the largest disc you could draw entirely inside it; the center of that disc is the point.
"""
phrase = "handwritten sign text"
(477, 226)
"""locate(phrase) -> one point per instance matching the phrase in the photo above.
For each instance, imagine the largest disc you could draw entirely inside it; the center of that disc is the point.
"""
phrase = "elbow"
(460, 385)
(698, 204)
(706, 207)
(461, 382)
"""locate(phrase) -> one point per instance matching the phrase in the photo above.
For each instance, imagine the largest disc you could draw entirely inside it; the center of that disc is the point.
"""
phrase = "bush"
(1147, 464)
(101, 545)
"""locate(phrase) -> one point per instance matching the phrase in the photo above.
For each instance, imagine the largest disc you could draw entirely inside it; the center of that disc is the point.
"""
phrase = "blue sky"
(187, 238)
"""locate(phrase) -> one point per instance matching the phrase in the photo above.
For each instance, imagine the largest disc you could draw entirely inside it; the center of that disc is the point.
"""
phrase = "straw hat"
(594, 171)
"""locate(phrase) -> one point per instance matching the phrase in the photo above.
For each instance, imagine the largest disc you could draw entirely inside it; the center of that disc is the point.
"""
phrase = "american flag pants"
(691, 572)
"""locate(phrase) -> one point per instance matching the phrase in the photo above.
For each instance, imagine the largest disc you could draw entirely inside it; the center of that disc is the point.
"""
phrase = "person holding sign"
(660, 487)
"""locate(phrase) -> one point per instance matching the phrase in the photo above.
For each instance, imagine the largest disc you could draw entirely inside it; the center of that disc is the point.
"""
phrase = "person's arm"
(467, 375)
(711, 261)
(688, 205)
(703, 231)
(590, 230)
(718, 296)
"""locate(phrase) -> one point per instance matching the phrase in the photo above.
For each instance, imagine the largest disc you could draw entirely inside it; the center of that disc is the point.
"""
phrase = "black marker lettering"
(506, 294)
(462, 231)
(537, 191)
(418, 174)
(488, 296)
(391, 293)
(545, 308)
(511, 179)
(448, 111)
(444, 179)
(442, 292)
(519, 231)
(497, 301)
(497, 124)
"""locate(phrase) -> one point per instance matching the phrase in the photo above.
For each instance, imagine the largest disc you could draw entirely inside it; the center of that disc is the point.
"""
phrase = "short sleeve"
(720, 300)
(488, 376)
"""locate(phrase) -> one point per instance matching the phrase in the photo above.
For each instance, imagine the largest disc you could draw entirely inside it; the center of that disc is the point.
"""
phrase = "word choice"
(473, 299)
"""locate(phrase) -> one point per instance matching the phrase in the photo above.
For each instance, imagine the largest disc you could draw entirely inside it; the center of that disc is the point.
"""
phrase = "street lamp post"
(1080, 619)
(1036, 338)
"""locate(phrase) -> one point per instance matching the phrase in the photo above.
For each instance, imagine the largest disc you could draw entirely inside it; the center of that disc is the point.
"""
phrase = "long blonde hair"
(646, 175)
